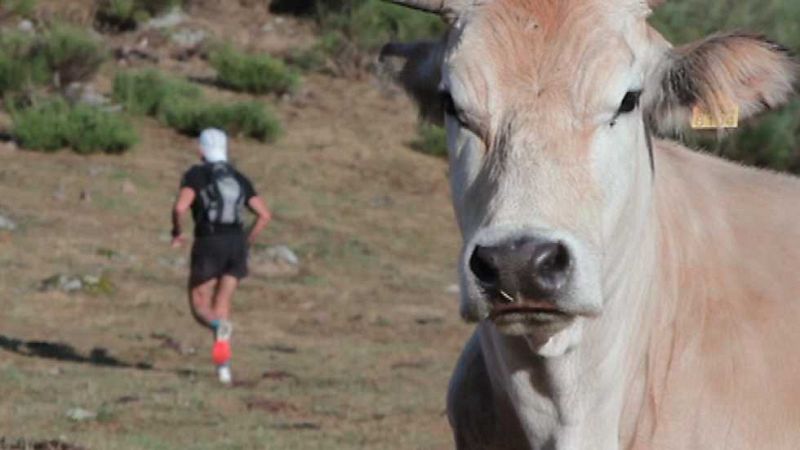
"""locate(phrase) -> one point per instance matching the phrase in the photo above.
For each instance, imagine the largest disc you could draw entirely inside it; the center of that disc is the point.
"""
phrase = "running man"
(217, 194)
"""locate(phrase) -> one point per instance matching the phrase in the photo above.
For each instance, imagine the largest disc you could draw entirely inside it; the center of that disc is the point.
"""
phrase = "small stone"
(80, 93)
(453, 289)
(277, 261)
(282, 253)
(168, 20)
(81, 415)
(71, 284)
(189, 38)
(7, 224)
(26, 26)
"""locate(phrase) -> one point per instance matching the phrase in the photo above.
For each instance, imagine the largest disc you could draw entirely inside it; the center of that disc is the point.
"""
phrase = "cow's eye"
(449, 107)
(630, 102)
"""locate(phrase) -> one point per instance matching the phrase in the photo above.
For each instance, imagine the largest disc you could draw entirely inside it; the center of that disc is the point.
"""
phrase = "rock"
(81, 93)
(168, 20)
(189, 37)
(277, 261)
(7, 224)
(81, 415)
(70, 283)
(26, 26)
(453, 289)
(282, 253)
(61, 282)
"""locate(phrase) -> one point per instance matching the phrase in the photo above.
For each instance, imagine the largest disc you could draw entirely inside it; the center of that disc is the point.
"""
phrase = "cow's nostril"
(552, 265)
(482, 265)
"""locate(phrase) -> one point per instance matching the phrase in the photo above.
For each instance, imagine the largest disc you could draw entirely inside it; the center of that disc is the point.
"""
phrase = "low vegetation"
(147, 92)
(126, 15)
(23, 8)
(54, 124)
(61, 55)
(180, 105)
(257, 74)
(251, 119)
(431, 140)
(71, 54)
(352, 30)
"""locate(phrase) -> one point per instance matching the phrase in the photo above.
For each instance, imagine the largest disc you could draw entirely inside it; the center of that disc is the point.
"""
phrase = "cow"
(628, 292)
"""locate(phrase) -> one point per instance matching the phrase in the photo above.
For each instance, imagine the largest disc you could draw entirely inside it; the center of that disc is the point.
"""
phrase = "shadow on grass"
(64, 352)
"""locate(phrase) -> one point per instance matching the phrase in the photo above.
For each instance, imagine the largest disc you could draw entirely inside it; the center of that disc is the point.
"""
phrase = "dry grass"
(366, 333)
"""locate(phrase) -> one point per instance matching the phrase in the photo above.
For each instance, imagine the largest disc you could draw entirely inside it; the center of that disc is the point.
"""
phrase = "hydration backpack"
(223, 198)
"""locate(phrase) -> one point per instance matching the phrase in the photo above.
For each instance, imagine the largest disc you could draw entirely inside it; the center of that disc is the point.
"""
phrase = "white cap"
(214, 145)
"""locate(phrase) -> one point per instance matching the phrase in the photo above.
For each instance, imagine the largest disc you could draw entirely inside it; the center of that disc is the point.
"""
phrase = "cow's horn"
(434, 6)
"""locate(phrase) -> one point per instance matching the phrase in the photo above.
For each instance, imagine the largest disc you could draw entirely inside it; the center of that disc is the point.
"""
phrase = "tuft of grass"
(72, 54)
(64, 54)
(257, 74)
(24, 8)
(369, 24)
(146, 92)
(126, 15)
(251, 119)
(92, 130)
(43, 127)
(22, 64)
(180, 105)
(431, 140)
(54, 124)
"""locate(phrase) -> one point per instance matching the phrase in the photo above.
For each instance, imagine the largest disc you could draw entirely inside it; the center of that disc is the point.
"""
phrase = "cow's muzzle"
(524, 275)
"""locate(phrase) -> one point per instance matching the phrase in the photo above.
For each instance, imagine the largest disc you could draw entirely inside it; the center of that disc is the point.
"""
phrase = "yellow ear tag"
(701, 120)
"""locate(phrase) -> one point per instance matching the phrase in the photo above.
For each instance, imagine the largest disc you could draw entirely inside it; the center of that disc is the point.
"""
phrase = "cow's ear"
(718, 77)
(420, 75)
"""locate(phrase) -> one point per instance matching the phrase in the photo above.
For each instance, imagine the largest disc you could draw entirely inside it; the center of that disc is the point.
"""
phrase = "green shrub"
(66, 53)
(180, 105)
(251, 119)
(24, 8)
(72, 54)
(55, 124)
(126, 15)
(22, 64)
(772, 140)
(43, 127)
(144, 92)
(257, 74)
(431, 140)
(369, 24)
(92, 130)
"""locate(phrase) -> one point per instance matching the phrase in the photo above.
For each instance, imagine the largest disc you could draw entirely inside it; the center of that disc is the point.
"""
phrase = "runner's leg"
(200, 302)
(222, 298)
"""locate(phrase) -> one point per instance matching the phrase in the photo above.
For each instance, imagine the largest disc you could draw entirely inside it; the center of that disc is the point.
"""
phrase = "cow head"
(548, 107)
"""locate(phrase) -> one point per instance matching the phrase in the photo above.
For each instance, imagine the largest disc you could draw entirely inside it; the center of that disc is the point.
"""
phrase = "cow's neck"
(575, 398)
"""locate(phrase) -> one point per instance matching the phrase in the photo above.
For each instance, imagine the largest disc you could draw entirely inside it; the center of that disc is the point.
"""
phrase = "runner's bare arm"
(182, 205)
(258, 207)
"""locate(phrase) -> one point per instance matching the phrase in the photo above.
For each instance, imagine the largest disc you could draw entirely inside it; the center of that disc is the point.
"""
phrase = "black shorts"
(215, 256)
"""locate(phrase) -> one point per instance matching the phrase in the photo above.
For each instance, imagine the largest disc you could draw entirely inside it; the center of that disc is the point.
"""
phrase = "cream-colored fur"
(685, 297)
